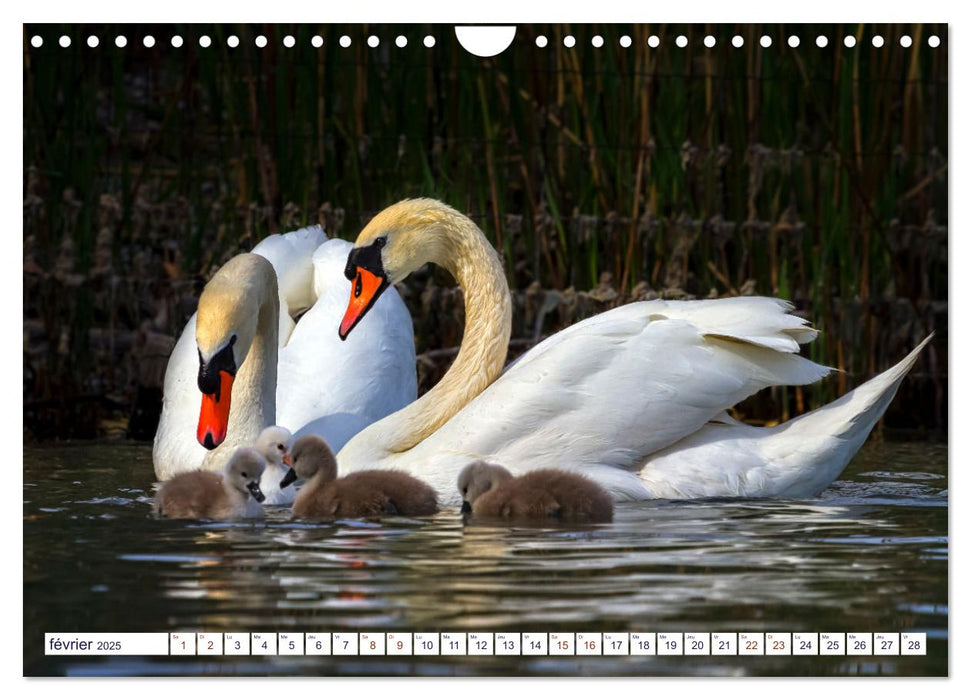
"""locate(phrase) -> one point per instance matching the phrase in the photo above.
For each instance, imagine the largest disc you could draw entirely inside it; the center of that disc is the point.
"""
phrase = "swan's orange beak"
(365, 290)
(286, 460)
(214, 413)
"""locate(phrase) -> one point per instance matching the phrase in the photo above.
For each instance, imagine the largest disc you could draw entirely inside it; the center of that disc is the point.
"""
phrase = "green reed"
(816, 174)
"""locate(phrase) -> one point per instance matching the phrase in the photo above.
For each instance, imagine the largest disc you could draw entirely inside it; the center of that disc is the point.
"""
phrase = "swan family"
(634, 399)
(263, 367)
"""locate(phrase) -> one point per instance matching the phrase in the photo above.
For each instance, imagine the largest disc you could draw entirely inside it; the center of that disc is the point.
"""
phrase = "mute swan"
(226, 496)
(274, 445)
(634, 398)
(281, 365)
(491, 491)
(363, 494)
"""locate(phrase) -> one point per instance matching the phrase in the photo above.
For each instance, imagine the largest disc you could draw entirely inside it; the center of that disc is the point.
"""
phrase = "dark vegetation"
(601, 174)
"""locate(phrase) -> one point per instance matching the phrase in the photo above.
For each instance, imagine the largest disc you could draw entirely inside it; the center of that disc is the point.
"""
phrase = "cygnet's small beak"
(288, 478)
(254, 488)
(286, 460)
(466, 507)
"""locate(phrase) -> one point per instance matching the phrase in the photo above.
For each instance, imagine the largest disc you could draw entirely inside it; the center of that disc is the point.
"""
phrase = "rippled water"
(870, 555)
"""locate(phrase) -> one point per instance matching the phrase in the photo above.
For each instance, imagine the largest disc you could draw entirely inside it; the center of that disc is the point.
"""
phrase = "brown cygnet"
(491, 491)
(360, 494)
(235, 493)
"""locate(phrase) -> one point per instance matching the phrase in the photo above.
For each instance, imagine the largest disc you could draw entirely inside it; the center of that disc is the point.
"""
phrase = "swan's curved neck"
(253, 406)
(465, 252)
(254, 390)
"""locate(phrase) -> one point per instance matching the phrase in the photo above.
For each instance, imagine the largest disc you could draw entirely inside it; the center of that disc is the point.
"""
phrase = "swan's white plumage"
(600, 395)
(334, 388)
(325, 387)
(797, 459)
(635, 398)
(176, 449)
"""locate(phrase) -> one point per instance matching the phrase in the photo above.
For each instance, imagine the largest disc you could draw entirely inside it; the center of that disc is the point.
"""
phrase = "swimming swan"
(204, 494)
(368, 493)
(274, 445)
(491, 491)
(243, 343)
(634, 397)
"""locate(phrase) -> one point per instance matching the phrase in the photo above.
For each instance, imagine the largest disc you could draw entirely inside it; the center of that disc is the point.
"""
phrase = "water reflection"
(869, 555)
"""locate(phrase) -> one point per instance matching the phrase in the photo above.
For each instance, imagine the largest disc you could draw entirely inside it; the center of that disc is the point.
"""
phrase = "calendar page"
(522, 349)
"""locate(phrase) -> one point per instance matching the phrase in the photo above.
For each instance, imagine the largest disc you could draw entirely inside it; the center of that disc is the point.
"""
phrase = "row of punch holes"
(569, 41)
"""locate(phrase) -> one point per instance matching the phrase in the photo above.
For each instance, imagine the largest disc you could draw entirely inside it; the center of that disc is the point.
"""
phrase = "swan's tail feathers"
(826, 439)
(797, 459)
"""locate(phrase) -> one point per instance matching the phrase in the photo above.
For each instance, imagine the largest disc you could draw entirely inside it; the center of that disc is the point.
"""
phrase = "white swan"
(295, 374)
(634, 398)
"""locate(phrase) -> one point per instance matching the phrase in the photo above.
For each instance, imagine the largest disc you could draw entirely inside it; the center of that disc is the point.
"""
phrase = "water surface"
(869, 555)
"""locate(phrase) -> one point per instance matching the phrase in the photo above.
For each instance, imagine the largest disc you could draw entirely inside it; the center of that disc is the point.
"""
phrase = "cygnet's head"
(244, 470)
(274, 444)
(478, 478)
(310, 454)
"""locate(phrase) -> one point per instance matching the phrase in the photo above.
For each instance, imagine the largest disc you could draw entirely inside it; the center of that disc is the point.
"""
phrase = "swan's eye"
(381, 242)
(280, 447)
(243, 475)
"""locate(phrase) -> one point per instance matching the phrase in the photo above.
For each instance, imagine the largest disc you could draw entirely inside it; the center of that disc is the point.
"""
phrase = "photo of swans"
(596, 350)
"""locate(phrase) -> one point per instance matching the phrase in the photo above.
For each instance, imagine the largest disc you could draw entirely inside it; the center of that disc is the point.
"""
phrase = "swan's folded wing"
(291, 255)
(795, 459)
(609, 390)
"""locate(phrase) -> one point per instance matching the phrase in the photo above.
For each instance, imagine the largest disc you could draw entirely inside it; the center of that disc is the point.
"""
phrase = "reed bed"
(602, 175)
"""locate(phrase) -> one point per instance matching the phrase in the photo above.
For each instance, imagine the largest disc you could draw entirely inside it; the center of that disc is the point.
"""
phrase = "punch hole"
(653, 41)
(933, 41)
(401, 41)
(793, 41)
(738, 42)
(317, 41)
(204, 41)
(542, 41)
(121, 42)
(148, 42)
(681, 41)
(233, 41)
(36, 41)
(345, 41)
(626, 41)
(289, 41)
(597, 41)
(373, 41)
(766, 41)
(93, 41)
(906, 41)
(849, 42)
(429, 41)
(710, 41)
(261, 41)
(176, 41)
(64, 41)
(569, 41)
(485, 41)
(822, 42)
(877, 41)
